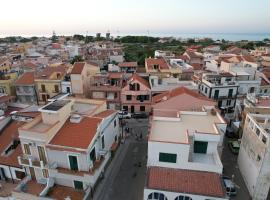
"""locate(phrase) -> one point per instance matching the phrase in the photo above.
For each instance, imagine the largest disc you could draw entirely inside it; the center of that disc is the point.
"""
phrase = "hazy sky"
(40, 17)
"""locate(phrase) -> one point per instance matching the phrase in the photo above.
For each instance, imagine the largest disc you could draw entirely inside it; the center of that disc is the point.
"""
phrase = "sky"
(39, 17)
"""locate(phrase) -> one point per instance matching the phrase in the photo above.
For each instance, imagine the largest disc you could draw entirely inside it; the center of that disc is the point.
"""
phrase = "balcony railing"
(30, 161)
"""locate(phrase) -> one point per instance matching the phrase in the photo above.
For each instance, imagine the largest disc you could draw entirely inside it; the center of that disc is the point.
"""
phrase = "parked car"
(139, 115)
(230, 186)
(124, 115)
(234, 146)
(230, 133)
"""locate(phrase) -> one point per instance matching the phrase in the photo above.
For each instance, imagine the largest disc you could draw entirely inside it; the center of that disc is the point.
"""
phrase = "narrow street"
(229, 161)
(125, 177)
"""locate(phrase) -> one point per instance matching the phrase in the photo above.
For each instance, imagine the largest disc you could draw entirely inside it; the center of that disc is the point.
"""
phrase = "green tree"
(78, 37)
(89, 39)
(76, 59)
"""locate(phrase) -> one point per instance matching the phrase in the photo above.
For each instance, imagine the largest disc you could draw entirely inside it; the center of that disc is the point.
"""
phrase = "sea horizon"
(215, 36)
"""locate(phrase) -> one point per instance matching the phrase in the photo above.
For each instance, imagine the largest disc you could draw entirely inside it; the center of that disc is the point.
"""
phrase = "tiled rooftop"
(185, 181)
(77, 135)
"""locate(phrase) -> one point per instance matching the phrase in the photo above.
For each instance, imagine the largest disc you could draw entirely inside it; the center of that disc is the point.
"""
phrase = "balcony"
(225, 97)
(205, 162)
(30, 161)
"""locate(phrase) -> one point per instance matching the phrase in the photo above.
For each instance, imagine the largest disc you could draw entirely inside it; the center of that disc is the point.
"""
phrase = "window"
(115, 95)
(93, 155)
(45, 173)
(56, 88)
(27, 149)
(78, 185)
(142, 108)
(125, 108)
(200, 147)
(265, 90)
(43, 88)
(156, 196)
(131, 87)
(183, 198)
(258, 158)
(129, 97)
(42, 155)
(258, 131)
(264, 139)
(216, 94)
(102, 142)
(114, 123)
(230, 93)
(205, 90)
(167, 157)
(229, 102)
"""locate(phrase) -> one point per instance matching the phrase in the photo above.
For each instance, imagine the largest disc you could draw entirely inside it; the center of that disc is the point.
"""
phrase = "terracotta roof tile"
(77, 135)
(105, 113)
(185, 181)
(140, 79)
(78, 67)
(48, 71)
(26, 79)
(160, 62)
(128, 64)
(115, 75)
(188, 100)
(6, 137)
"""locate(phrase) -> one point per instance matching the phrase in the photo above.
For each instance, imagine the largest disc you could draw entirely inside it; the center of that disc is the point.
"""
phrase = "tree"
(54, 37)
(266, 40)
(76, 59)
(248, 46)
(89, 39)
(191, 41)
(78, 37)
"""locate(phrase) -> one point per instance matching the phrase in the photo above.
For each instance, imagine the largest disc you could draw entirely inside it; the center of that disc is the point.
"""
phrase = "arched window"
(156, 196)
(183, 198)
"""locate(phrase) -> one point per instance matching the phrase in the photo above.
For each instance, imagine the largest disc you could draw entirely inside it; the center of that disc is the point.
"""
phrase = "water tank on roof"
(75, 118)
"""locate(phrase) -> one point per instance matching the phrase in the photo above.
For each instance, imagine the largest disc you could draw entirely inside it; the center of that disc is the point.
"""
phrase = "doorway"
(32, 173)
(73, 163)
(132, 109)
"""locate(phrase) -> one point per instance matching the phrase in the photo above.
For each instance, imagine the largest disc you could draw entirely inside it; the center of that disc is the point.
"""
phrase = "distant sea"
(215, 36)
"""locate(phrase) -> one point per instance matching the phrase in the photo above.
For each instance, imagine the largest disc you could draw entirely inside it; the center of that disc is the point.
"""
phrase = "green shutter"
(200, 147)
(167, 157)
(73, 163)
(78, 185)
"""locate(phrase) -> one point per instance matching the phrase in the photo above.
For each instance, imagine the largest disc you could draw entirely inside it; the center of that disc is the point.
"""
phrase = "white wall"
(154, 148)
(12, 170)
(173, 195)
(248, 170)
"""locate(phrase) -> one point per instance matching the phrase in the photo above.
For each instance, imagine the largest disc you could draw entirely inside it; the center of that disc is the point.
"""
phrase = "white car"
(124, 115)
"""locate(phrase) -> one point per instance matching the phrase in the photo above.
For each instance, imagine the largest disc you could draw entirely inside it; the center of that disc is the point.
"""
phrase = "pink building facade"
(136, 95)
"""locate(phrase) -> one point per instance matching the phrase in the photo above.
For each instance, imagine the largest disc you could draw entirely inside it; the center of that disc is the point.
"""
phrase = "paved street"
(229, 161)
(125, 176)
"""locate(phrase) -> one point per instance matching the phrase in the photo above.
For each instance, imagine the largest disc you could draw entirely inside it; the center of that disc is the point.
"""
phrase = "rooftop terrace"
(173, 129)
